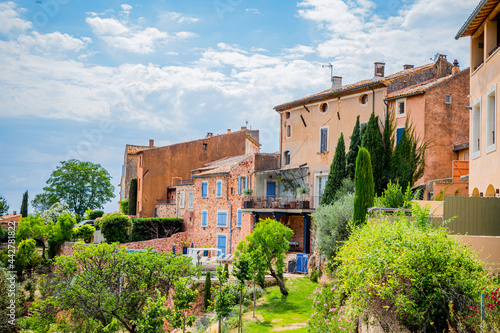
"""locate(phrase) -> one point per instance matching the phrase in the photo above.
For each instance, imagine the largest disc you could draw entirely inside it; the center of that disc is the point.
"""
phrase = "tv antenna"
(331, 71)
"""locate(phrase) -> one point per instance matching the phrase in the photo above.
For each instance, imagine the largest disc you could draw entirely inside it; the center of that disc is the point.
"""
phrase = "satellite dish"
(436, 57)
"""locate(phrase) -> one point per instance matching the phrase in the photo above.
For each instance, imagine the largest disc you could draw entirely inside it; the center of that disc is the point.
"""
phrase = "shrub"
(5, 300)
(393, 197)
(115, 228)
(410, 270)
(151, 228)
(84, 232)
(332, 225)
(132, 196)
(56, 210)
(95, 214)
(124, 206)
(61, 232)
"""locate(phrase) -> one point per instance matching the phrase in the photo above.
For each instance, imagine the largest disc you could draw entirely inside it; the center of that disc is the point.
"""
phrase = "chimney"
(210, 134)
(442, 66)
(151, 143)
(379, 69)
(336, 82)
(405, 67)
(456, 68)
(14, 213)
(228, 130)
(243, 128)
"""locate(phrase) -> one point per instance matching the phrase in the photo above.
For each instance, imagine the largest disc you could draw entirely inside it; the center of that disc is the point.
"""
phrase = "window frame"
(287, 157)
(204, 183)
(289, 130)
(242, 180)
(491, 124)
(476, 128)
(221, 213)
(398, 108)
(446, 97)
(320, 139)
(182, 201)
(190, 199)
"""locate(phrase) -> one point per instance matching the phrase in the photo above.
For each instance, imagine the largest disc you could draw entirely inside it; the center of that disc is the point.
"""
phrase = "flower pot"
(248, 204)
(304, 204)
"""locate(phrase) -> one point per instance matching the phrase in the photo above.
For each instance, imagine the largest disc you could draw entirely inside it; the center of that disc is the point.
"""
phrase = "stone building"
(129, 167)
(437, 109)
(161, 167)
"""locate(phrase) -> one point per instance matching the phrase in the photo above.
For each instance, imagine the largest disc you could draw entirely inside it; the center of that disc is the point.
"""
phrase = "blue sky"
(83, 78)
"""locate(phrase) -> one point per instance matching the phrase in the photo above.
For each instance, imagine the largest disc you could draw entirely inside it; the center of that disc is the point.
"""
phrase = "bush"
(124, 206)
(393, 197)
(410, 270)
(151, 228)
(95, 214)
(84, 232)
(115, 228)
(5, 298)
(61, 232)
(332, 225)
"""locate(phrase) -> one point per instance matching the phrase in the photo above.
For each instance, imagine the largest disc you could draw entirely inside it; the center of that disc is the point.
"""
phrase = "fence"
(474, 215)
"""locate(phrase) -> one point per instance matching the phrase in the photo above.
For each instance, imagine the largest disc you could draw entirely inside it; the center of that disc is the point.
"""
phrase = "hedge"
(151, 228)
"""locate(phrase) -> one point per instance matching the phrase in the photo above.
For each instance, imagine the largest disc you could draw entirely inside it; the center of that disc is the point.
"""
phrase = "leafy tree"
(24, 204)
(353, 150)
(271, 240)
(123, 206)
(95, 214)
(408, 161)
(153, 314)
(104, 282)
(331, 224)
(43, 201)
(33, 227)
(84, 232)
(223, 297)
(183, 297)
(132, 197)
(4, 207)
(56, 210)
(207, 295)
(242, 272)
(394, 197)
(81, 185)
(337, 173)
(372, 141)
(365, 188)
(115, 228)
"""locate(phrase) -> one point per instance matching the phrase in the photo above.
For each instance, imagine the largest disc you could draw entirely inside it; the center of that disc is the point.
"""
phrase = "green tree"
(208, 287)
(365, 188)
(81, 185)
(34, 227)
(132, 197)
(61, 232)
(43, 201)
(271, 240)
(372, 141)
(388, 137)
(56, 210)
(242, 272)
(4, 207)
(24, 204)
(224, 298)
(337, 173)
(153, 314)
(408, 161)
(104, 282)
(183, 296)
(353, 150)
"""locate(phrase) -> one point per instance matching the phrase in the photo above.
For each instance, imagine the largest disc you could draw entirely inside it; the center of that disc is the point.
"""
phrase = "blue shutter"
(324, 140)
(399, 135)
(246, 182)
(222, 219)
(238, 223)
(239, 185)
(204, 190)
(219, 188)
(204, 219)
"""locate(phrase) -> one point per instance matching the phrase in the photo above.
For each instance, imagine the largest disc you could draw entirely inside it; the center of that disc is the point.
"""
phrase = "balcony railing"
(281, 202)
(189, 181)
(165, 202)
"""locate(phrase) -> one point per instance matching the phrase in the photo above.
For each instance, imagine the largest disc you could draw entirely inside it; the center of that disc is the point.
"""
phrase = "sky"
(81, 79)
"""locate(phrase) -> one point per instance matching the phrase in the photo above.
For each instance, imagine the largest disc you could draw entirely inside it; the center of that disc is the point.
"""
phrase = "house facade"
(437, 109)
(483, 28)
(161, 167)
(129, 167)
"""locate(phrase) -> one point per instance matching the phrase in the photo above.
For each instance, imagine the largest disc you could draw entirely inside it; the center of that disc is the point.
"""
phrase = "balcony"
(282, 202)
(181, 182)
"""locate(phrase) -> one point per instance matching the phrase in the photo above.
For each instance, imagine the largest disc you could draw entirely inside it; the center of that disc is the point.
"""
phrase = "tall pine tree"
(132, 197)
(24, 204)
(353, 150)
(388, 136)
(372, 141)
(337, 173)
(364, 187)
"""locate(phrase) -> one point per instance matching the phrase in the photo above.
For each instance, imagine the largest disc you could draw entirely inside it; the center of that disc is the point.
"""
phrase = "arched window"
(475, 192)
(490, 191)
(286, 157)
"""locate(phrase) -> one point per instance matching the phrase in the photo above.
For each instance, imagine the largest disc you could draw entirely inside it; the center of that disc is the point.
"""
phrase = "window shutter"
(239, 218)
(219, 188)
(246, 182)
(324, 136)
(239, 185)
(203, 190)
(399, 135)
(204, 219)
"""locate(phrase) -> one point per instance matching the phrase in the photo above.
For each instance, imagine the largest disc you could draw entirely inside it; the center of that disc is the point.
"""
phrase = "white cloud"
(54, 41)
(9, 19)
(126, 7)
(252, 10)
(178, 17)
(106, 26)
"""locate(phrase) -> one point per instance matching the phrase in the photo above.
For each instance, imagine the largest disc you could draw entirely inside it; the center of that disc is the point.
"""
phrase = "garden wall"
(488, 248)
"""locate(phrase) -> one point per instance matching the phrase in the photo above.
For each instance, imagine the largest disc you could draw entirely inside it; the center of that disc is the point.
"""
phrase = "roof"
(476, 19)
(222, 166)
(461, 146)
(133, 149)
(353, 88)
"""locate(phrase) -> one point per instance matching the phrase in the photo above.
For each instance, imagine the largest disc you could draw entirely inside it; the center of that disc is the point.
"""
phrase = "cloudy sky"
(80, 79)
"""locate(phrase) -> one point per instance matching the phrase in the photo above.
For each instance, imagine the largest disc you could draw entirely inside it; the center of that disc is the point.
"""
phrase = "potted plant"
(247, 194)
(303, 192)
(185, 246)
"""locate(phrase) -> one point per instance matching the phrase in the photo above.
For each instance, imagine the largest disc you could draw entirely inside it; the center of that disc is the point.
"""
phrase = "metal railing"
(279, 202)
(189, 181)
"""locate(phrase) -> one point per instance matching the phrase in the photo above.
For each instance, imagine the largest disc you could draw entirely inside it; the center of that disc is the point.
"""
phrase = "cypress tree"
(364, 186)
(353, 150)
(337, 173)
(24, 205)
(208, 293)
(132, 197)
(372, 141)
(388, 136)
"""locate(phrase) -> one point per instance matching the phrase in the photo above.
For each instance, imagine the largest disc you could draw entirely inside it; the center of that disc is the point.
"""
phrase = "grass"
(283, 312)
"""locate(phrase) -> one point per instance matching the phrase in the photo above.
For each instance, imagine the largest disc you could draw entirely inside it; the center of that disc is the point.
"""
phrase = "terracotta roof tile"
(221, 166)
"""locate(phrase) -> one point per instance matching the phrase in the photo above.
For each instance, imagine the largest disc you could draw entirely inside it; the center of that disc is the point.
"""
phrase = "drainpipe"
(230, 214)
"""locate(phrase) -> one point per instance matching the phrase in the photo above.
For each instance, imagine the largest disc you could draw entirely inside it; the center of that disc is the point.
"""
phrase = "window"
(321, 186)
(447, 99)
(239, 218)
(400, 108)
(181, 200)
(204, 189)
(476, 128)
(363, 99)
(242, 184)
(219, 188)
(323, 140)
(323, 107)
(289, 131)
(287, 115)
(491, 119)
(221, 219)
(399, 135)
(286, 157)
(204, 218)
(204, 147)
(190, 202)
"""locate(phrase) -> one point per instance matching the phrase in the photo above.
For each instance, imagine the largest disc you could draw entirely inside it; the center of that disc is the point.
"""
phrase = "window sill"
(323, 152)
(221, 226)
(476, 155)
(491, 148)
(401, 115)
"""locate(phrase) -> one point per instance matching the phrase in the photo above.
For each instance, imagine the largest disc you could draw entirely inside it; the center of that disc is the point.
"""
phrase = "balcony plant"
(303, 192)
(247, 194)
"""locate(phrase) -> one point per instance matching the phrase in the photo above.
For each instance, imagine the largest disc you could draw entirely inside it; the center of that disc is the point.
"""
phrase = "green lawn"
(287, 313)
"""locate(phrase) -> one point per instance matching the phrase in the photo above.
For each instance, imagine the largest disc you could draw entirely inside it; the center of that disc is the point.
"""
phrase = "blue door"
(221, 243)
(271, 189)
